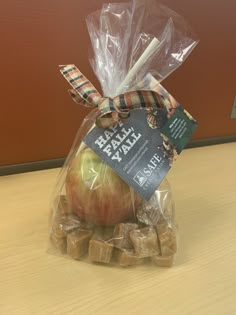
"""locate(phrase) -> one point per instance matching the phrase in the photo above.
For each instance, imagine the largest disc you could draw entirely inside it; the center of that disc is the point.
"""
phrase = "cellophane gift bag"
(112, 203)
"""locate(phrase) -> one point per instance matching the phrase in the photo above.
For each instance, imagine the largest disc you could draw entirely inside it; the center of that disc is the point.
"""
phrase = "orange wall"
(38, 120)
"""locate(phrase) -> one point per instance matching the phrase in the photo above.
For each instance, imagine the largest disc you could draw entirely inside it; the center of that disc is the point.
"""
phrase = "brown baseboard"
(54, 163)
(30, 166)
(211, 141)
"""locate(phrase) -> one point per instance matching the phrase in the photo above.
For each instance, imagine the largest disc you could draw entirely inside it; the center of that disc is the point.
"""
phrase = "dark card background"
(133, 165)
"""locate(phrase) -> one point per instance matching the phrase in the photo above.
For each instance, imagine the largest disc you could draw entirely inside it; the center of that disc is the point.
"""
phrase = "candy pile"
(125, 244)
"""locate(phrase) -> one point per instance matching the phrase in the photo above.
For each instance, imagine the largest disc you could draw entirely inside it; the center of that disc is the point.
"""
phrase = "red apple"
(96, 193)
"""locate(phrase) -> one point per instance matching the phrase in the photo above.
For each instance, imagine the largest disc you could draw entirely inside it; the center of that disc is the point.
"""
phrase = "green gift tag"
(179, 128)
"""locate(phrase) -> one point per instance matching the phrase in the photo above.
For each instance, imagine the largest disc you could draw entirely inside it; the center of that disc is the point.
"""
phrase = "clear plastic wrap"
(109, 226)
(95, 214)
(121, 33)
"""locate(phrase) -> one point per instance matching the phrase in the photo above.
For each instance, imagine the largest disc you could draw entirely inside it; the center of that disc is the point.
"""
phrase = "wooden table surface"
(203, 280)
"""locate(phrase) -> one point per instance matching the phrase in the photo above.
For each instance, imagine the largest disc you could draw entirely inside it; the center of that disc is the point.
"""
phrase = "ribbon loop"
(77, 98)
(109, 110)
(81, 85)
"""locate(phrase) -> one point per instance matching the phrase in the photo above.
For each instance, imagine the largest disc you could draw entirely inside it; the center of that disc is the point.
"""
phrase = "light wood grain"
(203, 281)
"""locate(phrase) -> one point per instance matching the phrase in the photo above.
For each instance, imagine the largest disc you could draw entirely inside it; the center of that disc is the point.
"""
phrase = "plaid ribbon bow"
(111, 110)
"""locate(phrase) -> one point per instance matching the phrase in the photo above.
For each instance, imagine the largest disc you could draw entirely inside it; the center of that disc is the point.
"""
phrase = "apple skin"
(96, 193)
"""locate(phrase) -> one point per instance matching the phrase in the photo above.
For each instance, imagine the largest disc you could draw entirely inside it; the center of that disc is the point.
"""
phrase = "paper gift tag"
(138, 153)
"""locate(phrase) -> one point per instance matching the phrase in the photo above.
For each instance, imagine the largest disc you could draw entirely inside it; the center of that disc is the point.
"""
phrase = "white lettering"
(121, 138)
(100, 142)
(107, 150)
(125, 149)
(108, 134)
(117, 157)
(115, 144)
(147, 172)
(173, 123)
(136, 137)
(152, 164)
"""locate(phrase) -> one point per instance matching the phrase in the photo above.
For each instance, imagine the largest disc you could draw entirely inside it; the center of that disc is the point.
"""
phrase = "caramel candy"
(145, 242)
(100, 246)
(163, 261)
(77, 243)
(167, 239)
(121, 235)
(59, 243)
(148, 214)
(65, 224)
(153, 215)
(126, 258)
(103, 233)
(100, 251)
(159, 208)
(62, 225)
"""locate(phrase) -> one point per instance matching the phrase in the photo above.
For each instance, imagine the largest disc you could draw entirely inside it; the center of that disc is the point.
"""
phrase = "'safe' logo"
(140, 179)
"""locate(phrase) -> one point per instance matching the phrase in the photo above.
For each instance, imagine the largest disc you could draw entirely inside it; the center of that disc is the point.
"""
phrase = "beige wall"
(38, 120)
